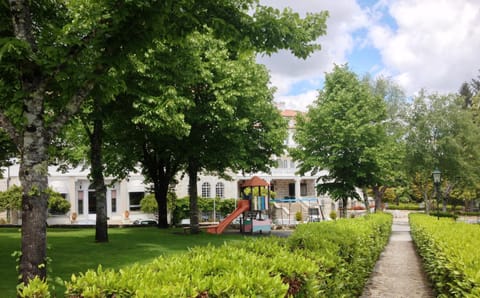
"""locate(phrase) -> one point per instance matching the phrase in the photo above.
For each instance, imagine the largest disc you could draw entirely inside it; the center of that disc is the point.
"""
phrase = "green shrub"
(12, 198)
(298, 216)
(450, 254)
(148, 204)
(333, 215)
(37, 288)
(404, 206)
(182, 207)
(444, 214)
(349, 249)
(326, 259)
(57, 204)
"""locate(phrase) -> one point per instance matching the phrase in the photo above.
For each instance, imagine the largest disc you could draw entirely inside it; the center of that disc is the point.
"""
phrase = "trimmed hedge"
(450, 252)
(326, 259)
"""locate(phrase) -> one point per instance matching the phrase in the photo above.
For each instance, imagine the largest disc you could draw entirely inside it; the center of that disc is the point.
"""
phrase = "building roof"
(289, 113)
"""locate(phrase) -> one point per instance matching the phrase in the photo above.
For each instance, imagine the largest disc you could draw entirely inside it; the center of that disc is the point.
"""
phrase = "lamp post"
(436, 180)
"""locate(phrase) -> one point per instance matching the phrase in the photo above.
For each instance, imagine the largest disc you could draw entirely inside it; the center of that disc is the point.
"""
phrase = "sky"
(429, 44)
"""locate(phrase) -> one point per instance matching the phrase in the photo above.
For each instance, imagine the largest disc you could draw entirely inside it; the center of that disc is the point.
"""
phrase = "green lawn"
(74, 250)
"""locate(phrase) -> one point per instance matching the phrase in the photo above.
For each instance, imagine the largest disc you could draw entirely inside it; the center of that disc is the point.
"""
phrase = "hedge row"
(327, 259)
(450, 254)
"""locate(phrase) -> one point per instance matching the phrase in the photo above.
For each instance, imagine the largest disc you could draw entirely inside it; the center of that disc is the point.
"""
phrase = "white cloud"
(287, 70)
(434, 46)
(430, 44)
(297, 102)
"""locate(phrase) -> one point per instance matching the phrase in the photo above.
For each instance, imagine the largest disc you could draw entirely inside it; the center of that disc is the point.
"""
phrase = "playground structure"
(253, 209)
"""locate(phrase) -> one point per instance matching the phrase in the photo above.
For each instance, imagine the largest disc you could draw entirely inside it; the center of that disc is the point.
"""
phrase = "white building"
(123, 198)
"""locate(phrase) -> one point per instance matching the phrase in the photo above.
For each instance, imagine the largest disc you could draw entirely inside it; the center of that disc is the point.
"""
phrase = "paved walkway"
(398, 273)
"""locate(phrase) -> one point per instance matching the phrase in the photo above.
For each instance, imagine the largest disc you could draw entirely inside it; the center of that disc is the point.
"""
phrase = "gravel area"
(399, 272)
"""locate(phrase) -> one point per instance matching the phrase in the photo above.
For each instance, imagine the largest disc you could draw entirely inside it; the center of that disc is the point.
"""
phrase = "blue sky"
(429, 44)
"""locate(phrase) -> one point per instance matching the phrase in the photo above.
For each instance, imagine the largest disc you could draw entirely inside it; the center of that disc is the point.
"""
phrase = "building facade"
(123, 197)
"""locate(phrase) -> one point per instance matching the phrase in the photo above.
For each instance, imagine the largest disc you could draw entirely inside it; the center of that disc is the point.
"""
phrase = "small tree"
(56, 203)
(148, 204)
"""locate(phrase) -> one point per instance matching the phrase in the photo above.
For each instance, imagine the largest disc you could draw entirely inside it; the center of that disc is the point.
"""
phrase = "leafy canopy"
(341, 135)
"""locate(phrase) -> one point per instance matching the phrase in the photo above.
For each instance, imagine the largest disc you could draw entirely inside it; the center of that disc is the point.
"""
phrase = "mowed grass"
(74, 250)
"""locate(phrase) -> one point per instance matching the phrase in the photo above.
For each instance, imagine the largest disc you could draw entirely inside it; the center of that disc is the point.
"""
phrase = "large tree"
(54, 53)
(391, 151)
(222, 118)
(442, 135)
(342, 133)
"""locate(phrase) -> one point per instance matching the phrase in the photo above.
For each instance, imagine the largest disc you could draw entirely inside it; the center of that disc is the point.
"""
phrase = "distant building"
(294, 193)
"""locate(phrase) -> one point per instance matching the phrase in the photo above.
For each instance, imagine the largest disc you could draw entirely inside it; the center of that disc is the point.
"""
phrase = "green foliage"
(71, 51)
(148, 204)
(333, 215)
(404, 206)
(7, 151)
(298, 216)
(11, 198)
(56, 203)
(127, 246)
(182, 207)
(450, 254)
(444, 135)
(36, 288)
(329, 259)
(263, 192)
(343, 132)
(443, 214)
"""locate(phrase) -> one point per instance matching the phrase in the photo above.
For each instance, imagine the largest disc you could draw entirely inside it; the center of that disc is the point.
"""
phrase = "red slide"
(243, 205)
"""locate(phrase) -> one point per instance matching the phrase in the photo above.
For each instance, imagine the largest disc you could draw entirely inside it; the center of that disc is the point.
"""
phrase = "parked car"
(150, 222)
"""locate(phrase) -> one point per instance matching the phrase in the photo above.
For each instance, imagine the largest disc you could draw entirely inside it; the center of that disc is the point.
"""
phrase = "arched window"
(220, 190)
(205, 190)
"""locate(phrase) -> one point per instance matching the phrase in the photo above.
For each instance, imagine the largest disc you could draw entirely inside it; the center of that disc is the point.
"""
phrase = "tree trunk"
(365, 200)
(98, 181)
(161, 194)
(344, 208)
(379, 192)
(192, 192)
(427, 202)
(33, 177)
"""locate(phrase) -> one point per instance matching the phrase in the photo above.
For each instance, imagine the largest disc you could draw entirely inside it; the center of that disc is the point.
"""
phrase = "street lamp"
(436, 180)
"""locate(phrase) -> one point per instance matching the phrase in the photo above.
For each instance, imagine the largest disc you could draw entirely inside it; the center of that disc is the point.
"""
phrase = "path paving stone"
(399, 272)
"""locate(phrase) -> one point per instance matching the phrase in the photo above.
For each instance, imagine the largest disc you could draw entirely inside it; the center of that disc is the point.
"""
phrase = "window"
(135, 198)
(92, 202)
(80, 202)
(220, 190)
(113, 195)
(303, 189)
(282, 163)
(205, 190)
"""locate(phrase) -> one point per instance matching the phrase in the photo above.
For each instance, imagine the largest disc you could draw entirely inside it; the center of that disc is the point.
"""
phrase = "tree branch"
(10, 129)
(71, 109)
(22, 22)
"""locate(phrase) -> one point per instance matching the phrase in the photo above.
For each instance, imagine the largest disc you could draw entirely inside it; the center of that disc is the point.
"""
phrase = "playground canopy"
(255, 181)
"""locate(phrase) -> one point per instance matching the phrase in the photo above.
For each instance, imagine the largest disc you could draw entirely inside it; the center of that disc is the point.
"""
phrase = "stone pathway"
(398, 273)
